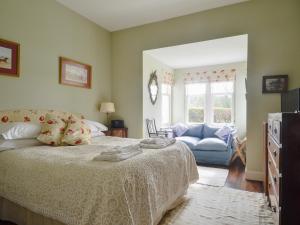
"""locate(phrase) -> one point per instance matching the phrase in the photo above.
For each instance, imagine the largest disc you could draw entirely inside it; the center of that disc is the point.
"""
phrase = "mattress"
(65, 185)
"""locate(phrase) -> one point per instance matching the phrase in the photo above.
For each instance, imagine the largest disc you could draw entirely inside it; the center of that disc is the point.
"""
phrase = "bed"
(62, 185)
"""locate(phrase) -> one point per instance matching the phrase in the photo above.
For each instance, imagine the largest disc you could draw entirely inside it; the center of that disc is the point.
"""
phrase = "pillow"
(95, 126)
(209, 131)
(179, 129)
(52, 130)
(77, 132)
(194, 131)
(97, 134)
(223, 133)
(20, 130)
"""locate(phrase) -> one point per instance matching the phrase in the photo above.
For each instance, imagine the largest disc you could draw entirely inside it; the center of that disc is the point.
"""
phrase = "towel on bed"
(118, 153)
(159, 142)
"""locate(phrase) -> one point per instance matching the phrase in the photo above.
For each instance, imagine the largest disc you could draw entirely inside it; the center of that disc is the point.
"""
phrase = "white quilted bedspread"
(63, 183)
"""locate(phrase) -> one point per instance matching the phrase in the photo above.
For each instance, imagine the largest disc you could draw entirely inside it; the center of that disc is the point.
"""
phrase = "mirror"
(153, 87)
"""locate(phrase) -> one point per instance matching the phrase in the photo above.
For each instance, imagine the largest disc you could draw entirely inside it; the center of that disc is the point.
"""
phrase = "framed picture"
(74, 73)
(275, 84)
(9, 58)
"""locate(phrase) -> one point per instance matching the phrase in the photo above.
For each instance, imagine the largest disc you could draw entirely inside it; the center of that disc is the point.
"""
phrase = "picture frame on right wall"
(275, 84)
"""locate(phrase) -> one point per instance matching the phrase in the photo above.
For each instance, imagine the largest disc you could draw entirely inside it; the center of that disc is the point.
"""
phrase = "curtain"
(168, 78)
(210, 76)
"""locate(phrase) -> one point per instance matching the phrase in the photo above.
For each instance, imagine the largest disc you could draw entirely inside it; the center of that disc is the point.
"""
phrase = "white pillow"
(97, 134)
(95, 126)
(223, 132)
(20, 130)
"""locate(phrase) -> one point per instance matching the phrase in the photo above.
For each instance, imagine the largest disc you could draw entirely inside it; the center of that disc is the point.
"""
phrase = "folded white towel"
(159, 142)
(119, 153)
(121, 149)
(117, 157)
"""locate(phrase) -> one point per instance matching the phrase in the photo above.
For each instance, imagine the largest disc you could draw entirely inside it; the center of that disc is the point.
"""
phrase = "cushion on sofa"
(223, 133)
(194, 131)
(209, 131)
(190, 141)
(179, 129)
(211, 144)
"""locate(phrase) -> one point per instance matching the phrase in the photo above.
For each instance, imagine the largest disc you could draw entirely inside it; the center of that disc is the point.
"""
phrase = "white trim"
(254, 175)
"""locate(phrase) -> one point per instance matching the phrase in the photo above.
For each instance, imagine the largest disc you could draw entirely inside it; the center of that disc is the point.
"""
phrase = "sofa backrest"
(195, 131)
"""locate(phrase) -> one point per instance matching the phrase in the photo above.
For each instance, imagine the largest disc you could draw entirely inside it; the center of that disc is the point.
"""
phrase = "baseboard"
(254, 175)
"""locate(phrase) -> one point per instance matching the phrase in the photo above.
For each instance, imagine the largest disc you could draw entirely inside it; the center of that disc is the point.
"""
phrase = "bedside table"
(117, 132)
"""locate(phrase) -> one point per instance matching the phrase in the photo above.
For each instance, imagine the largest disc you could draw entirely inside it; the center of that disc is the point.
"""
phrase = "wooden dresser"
(117, 132)
(283, 167)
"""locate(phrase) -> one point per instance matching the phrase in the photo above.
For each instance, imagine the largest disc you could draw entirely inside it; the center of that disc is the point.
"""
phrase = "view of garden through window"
(209, 102)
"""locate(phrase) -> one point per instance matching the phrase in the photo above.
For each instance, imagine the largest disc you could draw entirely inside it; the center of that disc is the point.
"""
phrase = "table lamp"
(107, 107)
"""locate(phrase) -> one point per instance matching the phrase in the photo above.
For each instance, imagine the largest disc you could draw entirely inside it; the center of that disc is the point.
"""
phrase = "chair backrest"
(151, 127)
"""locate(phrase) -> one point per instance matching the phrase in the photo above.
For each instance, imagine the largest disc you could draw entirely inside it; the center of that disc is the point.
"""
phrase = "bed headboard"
(31, 115)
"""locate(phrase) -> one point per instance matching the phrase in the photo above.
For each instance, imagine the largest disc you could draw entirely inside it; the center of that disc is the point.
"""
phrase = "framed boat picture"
(74, 73)
(9, 58)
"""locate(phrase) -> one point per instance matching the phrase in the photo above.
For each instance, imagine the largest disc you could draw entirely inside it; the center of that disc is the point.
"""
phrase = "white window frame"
(168, 94)
(208, 105)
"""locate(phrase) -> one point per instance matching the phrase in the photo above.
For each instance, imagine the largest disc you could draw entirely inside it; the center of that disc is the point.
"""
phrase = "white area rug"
(212, 176)
(207, 205)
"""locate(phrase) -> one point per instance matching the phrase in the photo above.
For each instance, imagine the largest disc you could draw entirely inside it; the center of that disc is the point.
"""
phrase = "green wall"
(46, 30)
(273, 28)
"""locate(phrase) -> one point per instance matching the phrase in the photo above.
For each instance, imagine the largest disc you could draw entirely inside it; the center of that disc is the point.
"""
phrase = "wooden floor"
(236, 179)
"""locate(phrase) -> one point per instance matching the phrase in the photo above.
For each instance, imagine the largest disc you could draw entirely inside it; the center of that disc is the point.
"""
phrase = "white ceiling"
(119, 14)
(205, 53)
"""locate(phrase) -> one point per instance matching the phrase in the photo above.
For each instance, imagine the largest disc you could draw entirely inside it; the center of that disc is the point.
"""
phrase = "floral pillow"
(77, 132)
(52, 130)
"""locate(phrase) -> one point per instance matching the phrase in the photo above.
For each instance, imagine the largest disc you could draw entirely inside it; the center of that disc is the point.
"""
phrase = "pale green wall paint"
(273, 29)
(46, 30)
(151, 111)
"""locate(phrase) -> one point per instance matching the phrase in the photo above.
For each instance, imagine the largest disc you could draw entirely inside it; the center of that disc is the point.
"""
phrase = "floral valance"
(210, 76)
(168, 78)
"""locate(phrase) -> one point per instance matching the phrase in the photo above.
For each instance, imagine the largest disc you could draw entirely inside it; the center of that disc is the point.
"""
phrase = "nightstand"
(117, 132)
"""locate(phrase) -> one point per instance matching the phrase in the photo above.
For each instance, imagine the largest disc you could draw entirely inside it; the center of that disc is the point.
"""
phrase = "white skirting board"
(254, 175)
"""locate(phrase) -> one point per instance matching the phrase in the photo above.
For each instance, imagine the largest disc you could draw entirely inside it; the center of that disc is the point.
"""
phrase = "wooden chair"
(152, 131)
(240, 149)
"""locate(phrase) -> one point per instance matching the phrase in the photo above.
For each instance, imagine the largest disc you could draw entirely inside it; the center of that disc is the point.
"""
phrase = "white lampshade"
(107, 107)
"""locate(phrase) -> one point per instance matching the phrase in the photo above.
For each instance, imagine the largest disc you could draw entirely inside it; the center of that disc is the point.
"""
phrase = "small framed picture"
(9, 58)
(74, 73)
(275, 84)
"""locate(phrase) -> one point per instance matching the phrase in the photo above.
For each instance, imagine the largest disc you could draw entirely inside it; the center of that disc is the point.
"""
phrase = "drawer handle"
(275, 179)
(274, 153)
(269, 143)
(274, 209)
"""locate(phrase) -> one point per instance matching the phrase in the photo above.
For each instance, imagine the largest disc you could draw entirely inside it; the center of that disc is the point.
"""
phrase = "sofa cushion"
(223, 132)
(194, 131)
(190, 141)
(211, 144)
(179, 129)
(209, 131)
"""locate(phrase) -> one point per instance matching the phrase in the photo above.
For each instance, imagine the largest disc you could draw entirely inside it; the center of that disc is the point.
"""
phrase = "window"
(166, 92)
(210, 102)
(195, 101)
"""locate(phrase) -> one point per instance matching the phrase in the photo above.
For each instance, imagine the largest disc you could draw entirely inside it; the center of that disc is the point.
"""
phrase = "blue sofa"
(206, 146)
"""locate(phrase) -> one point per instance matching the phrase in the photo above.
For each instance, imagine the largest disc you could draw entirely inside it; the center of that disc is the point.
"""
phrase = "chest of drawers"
(283, 167)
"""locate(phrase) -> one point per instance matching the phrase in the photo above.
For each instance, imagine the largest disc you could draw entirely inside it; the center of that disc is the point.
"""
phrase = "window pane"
(222, 87)
(195, 89)
(166, 89)
(165, 109)
(222, 108)
(195, 102)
